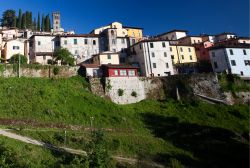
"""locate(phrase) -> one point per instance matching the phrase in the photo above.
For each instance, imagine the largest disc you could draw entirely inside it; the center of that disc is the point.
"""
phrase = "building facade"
(12, 47)
(153, 57)
(234, 60)
(173, 35)
(106, 58)
(182, 54)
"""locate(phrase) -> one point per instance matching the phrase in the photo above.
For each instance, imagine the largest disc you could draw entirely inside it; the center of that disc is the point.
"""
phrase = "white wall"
(174, 35)
(10, 51)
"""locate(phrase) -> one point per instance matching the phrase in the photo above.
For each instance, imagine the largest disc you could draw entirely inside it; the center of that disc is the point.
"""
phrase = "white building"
(81, 46)
(9, 34)
(235, 60)
(173, 35)
(12, 47)
(153, 57)
(225, 36)
(42, 48)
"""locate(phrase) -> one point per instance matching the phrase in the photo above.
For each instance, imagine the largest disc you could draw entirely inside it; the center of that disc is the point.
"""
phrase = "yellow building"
(134, 32)
(182, 54)
(106, 58)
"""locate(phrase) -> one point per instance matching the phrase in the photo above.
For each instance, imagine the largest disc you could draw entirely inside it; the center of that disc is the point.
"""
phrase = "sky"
(155, 16)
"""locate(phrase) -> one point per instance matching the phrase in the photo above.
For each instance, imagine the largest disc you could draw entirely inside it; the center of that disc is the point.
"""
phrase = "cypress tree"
(38, 23)
(23, 25)
(43, 23)
(47, 24)
(19, 21)
(14, 22)
(34, 28)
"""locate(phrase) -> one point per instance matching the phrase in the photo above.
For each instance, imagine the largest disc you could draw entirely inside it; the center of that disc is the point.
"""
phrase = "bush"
(120, 92)
(134, 94)
(15, 59)
(56, 70)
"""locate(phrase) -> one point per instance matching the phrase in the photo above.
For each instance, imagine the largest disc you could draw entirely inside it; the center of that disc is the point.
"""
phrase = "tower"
(56, 21)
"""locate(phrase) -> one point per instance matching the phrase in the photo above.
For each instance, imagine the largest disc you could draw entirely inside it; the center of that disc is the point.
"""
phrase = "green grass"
(196, 134)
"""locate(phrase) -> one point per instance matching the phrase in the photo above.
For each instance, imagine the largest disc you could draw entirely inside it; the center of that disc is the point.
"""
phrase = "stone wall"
(39, 71)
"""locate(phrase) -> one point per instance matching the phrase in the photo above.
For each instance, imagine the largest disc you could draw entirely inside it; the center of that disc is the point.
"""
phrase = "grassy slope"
(196, 134)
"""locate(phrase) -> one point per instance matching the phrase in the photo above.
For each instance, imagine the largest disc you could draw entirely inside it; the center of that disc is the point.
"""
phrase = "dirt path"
(69, 150)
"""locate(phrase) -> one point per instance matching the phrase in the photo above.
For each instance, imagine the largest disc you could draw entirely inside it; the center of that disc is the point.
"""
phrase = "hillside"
(193, 134)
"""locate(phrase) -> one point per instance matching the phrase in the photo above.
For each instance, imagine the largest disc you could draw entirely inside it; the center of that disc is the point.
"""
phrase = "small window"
(116, 72)
(191, 58)
(123, 73)
(114, 50)
(231, 52)
(112, 32)
(182, 57)
(123, 41)
(65, 42)
(153, 54)
(85, 41)
(189, 49)
(131, 73)
(154, 65)
(39, 43)
(151, 45)
(75, 41)
(163, 44)
(165, 54)
(215, 65)
(241, 73)
(140, 47)
(172, 57)
(167, 66)
(244, 52)
(181, 49)
(170, 48)
(233, 63)
(213, 54)
(109, 56)
(247, 62)
(94, 42)
(113, 41)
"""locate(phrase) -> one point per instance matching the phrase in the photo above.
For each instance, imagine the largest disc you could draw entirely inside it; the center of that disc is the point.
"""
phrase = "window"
(233, 63)
(109, 56)
(213, 54)
(244, 52)
(153, 54)
(140, 47)
(65, 42)
(247, 62)
(189, 49)
(39, 42)
(123, 41)
(163, 44)
(123, 73)
(231, 52)
(154, 65)
(133, 41)
(199, 41)
(215, 65)
(167, 65)
(16, 47)
(181, 49)
(113, 41)
(182, 57)
(194, 41)
(165, 54)
(151, 45)
(85, 41)
(170, 48)
(94, 42)
(75, 41)
(114, 50)
(112, 32)
(172, 56)
(57, 43)
(244, 42)
(191, 58)
(131, 73)
(241, 73)
(44, 57)
(116, 72)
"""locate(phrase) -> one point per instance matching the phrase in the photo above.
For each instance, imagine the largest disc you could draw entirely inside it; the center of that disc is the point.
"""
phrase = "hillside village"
(117, 50)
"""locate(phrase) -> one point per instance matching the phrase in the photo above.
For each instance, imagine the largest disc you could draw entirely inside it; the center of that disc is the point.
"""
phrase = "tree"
(38, 23)
(64, 56)
(8, 18)
(28, 20)
(15, 59)
(34, 25)
(47, 23)
(23, 25)
(14, 22)
(43, 23)
(19, 20)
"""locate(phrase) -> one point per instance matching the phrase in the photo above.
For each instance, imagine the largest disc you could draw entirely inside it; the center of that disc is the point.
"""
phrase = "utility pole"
(19, 65)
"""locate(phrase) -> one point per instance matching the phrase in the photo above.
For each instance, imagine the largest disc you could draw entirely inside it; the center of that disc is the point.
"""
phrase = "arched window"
(112, 32)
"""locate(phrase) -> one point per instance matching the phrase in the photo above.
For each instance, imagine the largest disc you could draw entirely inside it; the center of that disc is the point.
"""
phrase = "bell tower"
(56, 21)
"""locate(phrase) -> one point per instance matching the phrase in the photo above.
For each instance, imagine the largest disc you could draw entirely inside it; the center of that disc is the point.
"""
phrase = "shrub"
(15, 59)
(120, 92)
(56, 70)
(134, 94)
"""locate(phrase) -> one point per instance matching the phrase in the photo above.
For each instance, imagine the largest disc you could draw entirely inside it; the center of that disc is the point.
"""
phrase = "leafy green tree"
(8, 18)
(38, 23)
(64, 56)
(15, 59)
(23, 25)
(19, 20)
